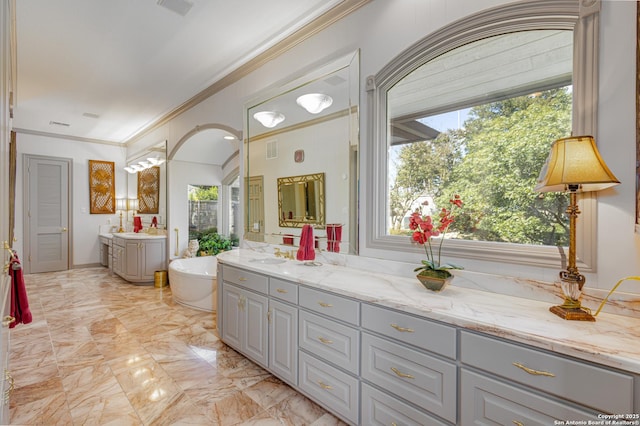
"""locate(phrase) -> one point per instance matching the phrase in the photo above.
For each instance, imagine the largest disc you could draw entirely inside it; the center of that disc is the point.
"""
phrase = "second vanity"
(137, 256)
(379, 349)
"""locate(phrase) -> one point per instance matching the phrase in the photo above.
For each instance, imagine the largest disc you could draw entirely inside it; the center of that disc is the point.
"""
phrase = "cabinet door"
(232, 316)
(487, 401)
(255, 330)
(131, 261)
(283, 341)
(153, 255)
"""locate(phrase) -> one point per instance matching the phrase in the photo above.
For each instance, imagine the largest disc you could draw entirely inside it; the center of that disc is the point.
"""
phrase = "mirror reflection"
(306, 128)
(301, 200)
(147, 186)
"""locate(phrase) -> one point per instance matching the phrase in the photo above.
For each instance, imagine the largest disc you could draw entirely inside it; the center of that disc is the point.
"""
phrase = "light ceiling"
(108, 70)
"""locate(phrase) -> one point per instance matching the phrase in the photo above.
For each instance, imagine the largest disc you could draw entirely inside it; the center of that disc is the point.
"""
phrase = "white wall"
(382, 29)
(84, 226)
(182, 174)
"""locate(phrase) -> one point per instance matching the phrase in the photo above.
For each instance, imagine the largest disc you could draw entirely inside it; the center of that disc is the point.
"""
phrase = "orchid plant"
(424, 229)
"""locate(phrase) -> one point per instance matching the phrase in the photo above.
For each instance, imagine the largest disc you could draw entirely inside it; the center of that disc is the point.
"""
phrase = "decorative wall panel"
(149, 190)
(102, 187)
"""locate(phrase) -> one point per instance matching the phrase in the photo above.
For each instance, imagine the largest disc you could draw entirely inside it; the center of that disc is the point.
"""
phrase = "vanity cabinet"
(563, 383)
(244, 315)
(137, 259)
(374, 365)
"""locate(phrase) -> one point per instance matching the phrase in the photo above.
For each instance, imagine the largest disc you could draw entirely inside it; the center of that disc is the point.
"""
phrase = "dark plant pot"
(435, 280)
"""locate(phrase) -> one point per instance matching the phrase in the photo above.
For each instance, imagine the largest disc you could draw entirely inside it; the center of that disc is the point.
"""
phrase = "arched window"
(473, 109)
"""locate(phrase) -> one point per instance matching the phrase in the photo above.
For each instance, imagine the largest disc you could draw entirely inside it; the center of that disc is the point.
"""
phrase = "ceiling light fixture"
(269, 119)
(229, 138)
(314, 102)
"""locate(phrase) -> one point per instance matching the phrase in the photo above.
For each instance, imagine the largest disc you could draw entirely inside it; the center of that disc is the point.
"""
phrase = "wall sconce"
(314, 102)
(574, 165)
(121, 205)
(269, 119)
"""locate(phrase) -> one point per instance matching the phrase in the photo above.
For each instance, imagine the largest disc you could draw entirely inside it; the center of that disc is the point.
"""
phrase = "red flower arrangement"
(424, 229)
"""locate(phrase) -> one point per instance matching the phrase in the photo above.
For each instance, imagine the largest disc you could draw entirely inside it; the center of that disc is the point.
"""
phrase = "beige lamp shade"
(575, 161)
(121, 204)
(133, 204)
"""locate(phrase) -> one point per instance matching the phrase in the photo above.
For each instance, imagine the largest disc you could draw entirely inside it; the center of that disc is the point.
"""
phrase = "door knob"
(64, 229)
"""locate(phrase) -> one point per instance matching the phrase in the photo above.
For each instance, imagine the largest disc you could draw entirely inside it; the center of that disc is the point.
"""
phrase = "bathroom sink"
(268, 261)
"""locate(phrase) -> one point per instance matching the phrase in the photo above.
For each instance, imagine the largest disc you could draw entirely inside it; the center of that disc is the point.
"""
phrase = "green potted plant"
(434, 274)
(212, 243)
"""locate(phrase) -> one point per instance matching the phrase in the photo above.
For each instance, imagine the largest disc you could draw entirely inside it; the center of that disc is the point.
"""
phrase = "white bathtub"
(194, 282)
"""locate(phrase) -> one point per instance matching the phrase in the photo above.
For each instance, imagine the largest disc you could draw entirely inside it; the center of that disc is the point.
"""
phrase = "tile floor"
(101, 351)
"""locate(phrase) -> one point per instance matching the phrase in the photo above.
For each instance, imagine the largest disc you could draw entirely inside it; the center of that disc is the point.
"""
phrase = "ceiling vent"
(59, 123)
(90, 115)
(181, 7)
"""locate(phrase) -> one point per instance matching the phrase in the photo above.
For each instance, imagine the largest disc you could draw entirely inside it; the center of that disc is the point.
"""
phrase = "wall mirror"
(301, 200)
(307, 127)
(147, 183)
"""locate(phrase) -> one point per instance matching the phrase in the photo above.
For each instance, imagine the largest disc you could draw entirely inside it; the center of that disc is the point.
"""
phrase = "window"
(203, 209)
(473, 109)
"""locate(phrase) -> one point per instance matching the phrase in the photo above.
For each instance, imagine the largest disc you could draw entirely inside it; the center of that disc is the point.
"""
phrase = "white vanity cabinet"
(136, 259)
(283, 330)
(371, 364)
(400, 356)
(244, 315)
(555, 387)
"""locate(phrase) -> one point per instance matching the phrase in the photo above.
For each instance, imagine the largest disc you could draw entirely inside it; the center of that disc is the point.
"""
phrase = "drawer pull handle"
(242, 279)
(517, 423)
(532, 371)
(6, 321)
(281, 290)
(324, 386)
(401, 374)
(325, 305)
(402, 329)
(325, 341)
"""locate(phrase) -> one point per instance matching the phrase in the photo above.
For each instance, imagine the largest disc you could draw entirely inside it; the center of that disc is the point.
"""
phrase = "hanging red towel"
(306, 250)
(154, 222)
(19, 302)
(137, 223)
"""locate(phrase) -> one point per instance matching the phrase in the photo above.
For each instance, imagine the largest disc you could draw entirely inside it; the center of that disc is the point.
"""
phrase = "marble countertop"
(138, 235)
(613, 340)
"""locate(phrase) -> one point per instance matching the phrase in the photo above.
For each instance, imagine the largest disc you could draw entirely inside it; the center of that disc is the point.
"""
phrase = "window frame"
(580, 17)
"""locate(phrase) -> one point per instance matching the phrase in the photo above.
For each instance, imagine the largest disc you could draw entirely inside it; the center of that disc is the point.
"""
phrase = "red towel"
(154, 222)
(306, 250)
(19, 303)
(137, 223)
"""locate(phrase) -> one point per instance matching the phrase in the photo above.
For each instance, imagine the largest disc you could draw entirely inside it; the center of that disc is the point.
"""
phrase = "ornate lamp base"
(574, 314)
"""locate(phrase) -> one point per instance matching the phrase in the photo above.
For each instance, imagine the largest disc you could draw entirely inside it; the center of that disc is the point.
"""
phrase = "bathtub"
(194, 283)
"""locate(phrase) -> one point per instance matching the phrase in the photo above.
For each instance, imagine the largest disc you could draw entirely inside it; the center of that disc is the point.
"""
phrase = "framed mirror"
(301, 200)
(147, 183)
(287, 136)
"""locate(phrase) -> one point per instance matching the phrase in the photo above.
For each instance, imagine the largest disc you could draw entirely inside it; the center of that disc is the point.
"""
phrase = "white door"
(46, 181)
(255, 204)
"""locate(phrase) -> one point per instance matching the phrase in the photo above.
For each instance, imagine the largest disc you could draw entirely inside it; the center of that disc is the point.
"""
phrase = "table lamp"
(121, 204)
(574, 165)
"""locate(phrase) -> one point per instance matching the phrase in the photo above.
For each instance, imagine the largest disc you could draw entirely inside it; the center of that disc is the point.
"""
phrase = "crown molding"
(67, 137)
(319, 24)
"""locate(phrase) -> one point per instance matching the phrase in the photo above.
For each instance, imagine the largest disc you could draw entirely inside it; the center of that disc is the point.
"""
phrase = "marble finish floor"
(101, 351)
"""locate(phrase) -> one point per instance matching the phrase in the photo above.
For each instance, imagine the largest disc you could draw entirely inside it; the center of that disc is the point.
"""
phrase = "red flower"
(424, 230)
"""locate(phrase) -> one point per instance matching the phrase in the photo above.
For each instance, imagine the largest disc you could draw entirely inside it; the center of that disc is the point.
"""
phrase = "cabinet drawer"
(583, 383)
(329, 340)
(246, 279)
(425, 334)
(331, 305)
(426, 381)
(284, 290)
(490, 402)
(378, 408)
(329, 386)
